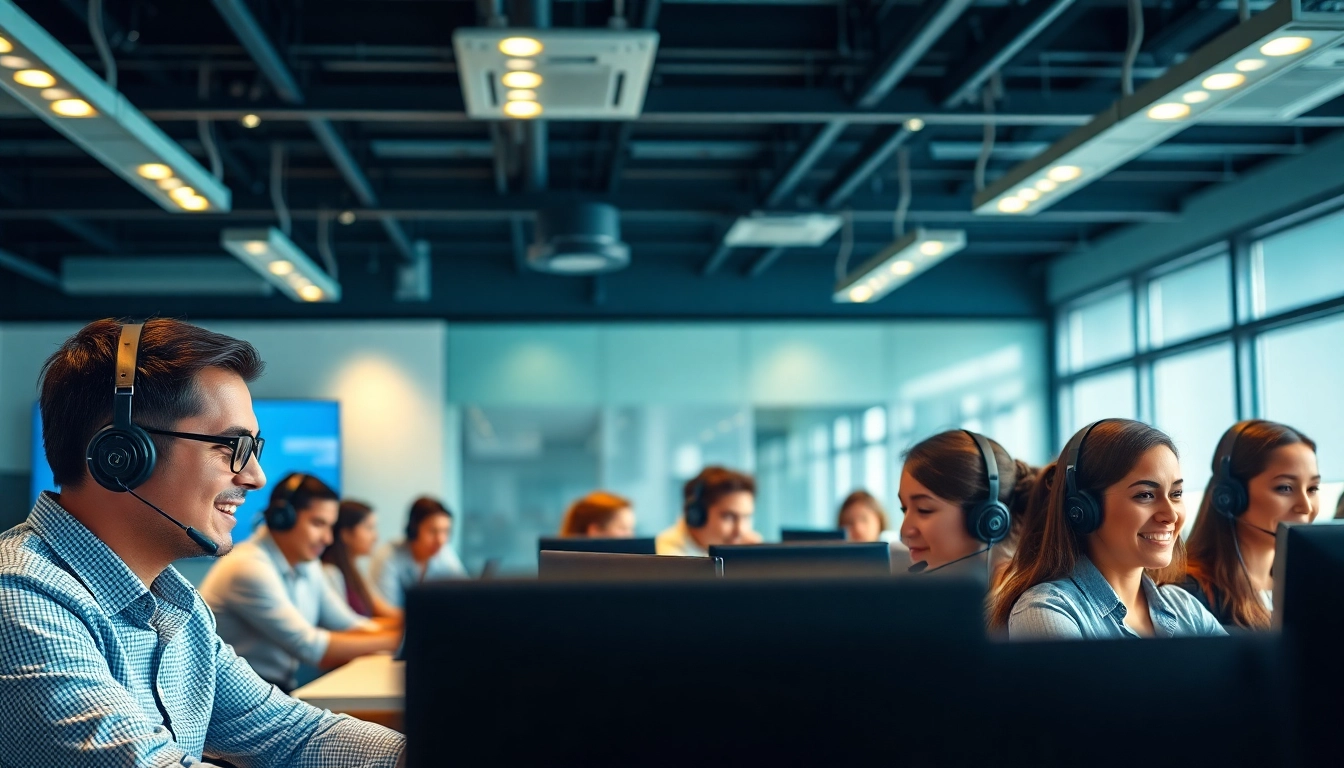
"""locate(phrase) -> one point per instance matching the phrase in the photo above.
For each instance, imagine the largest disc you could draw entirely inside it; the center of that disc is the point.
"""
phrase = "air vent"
(580, 74)
(782, 231)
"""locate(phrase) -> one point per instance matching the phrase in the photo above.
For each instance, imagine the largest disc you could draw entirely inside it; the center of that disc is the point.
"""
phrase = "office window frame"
(1243, 333)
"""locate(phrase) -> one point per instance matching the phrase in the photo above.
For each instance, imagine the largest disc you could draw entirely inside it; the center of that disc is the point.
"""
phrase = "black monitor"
(605, 566)
(711, 672)
(593, 544)
(804, 534)
(804, 559)
(1308, 582)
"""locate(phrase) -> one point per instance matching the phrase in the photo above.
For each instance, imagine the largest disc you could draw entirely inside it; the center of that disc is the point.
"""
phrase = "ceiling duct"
(1270, 68)
(579, 239)
(557, 74)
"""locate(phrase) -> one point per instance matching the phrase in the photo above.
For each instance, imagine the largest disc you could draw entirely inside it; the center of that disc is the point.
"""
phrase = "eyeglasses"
(244, 446)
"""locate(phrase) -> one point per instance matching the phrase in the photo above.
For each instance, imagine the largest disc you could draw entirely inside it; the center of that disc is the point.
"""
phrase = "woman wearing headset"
(1103, 534)
(945, 496)
(1263, 474)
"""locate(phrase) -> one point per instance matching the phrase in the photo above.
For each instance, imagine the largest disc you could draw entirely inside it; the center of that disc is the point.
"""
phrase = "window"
(1098, 331)
(1195, 402)
(1102, 396)
(1190, 302)
(1302, 385)
(1297, 267)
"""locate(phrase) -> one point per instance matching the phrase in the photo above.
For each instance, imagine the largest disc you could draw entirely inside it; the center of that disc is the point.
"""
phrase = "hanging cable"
(100, 42)
(846, 245)
(1135, 43)
(324, 243)
(987, 95)
(277, 189)
(1243, 10)
(903, 203)
(206, 129)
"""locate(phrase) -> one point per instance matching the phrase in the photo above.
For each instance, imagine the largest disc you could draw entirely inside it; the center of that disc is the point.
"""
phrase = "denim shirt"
(1085, 607)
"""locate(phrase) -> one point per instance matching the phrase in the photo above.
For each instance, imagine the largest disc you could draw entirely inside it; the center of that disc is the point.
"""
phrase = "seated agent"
(718, 509)
(599, 515)
(107, 655)
(271, 596)
(424, 555)
(1101, 556)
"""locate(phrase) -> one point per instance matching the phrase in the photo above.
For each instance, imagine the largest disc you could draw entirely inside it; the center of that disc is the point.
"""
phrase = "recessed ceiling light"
(520, 79)
(250, 121)
(522, 109)
(1285, 46)
(346, 217)
(1012, 205)
(1029, 194)
(914, 125)
(168, 184)
(902, 267)
(34, 78)
(520, 64)
(519, 46)
(154, 171)
(1064, 173)
(1195, 97)
(1046, 185)
(72, 108)
(5, 45)
(521, 95)
(1170, 110)
(15, 62)
(860, 293)
(255, 247)
(279, 266)
(56, 94)
(1223, 81)
(929, 248)
(194, 203)
(181, 193)
(1250, 65)
(311, 293)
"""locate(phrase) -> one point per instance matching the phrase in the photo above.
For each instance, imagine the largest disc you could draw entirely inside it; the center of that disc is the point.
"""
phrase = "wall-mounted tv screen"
(301, 436)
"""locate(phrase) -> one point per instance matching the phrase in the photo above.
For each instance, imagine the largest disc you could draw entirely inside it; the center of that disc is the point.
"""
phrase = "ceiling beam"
(28, 269)
(764, 262)
(1006, 41)
(864, 164)
(798, 169)
(938, 16)
(716, 259)
(267, 57)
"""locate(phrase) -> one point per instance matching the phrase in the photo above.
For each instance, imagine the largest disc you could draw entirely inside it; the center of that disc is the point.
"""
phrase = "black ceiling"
(753, 105)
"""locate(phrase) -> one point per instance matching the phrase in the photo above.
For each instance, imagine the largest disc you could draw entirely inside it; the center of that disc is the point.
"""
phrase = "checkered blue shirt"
(97, 670)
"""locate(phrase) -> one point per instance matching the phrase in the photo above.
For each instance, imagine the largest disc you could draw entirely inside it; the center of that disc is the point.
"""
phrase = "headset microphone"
(210, 547)
(922, 564)
(1265, 531)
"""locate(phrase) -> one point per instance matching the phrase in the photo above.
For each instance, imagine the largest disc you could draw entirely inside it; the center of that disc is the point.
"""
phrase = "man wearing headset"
(273, 603)
(718, 506)
(107, 654)
(424, 555)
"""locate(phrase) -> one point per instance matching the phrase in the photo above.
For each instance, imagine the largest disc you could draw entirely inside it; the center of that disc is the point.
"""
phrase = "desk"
(370, 688)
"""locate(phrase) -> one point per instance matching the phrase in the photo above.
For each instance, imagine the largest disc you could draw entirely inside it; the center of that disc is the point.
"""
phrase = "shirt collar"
(1096, 589)
(107, 577)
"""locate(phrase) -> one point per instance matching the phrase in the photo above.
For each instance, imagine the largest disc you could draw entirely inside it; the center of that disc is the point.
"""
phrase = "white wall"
(389, 378)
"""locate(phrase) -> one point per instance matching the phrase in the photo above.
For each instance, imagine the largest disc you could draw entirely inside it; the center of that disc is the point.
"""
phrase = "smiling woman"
(1102, 550)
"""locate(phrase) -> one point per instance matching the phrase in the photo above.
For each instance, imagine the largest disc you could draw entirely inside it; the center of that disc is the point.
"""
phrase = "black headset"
(987, 520)
(1081, 508)
(281, 514)
(694, 504)
(1230, 498)
(121, 456)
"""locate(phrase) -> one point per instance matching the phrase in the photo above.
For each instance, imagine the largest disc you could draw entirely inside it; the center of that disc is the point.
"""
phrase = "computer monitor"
(1308, 582)
(804, 559)
(803, 534)
(605, 566)
(593, 544)
(710, 672)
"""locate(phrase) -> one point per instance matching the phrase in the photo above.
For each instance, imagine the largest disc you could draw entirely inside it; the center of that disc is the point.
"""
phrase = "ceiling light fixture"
(520, 46)
(522, 109)
(56, 86)
(271, 254)
(898, 264)
(250, 121)
(1278, 45)
(520, 79)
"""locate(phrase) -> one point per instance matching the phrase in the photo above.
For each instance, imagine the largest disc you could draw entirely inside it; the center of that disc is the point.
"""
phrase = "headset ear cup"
(1083, 512)
(120, 459)
(990, 522)
(281, 516)
(1230, 498)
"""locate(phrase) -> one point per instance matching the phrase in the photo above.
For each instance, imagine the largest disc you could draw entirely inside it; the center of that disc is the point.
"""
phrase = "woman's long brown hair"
(1048, 548)
(352, 514)
(1212, 549)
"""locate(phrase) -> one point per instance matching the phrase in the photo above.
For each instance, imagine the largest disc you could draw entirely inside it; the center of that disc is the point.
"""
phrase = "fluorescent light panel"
(72, 99)
(898, 264)
(1216, 77)
(271, 254)
(803, 230)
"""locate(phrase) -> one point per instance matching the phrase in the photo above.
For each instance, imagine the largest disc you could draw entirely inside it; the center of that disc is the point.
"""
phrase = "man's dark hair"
(421, 510)
(76, 384)
(309, 490)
